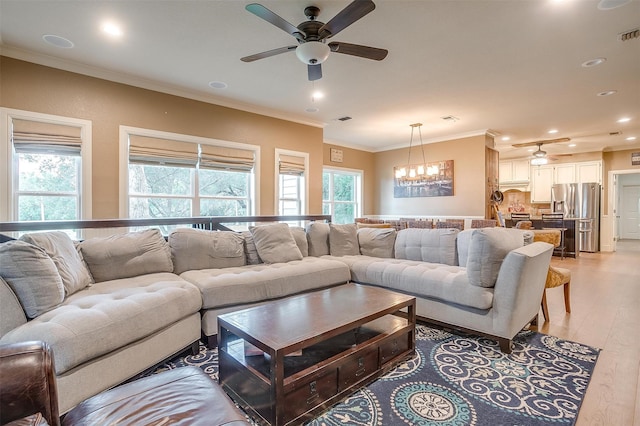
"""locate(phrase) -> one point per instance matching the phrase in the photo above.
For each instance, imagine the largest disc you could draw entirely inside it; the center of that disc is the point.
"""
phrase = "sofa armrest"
(519, 287)
(27, 382)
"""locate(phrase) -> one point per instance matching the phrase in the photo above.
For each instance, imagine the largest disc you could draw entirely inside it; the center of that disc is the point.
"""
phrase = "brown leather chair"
(181, 396)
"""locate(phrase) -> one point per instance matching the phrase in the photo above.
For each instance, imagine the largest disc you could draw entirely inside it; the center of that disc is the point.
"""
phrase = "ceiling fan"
(540, 157)
(312, 35)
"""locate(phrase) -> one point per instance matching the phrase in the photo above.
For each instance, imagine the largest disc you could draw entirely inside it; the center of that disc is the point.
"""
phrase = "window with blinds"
(178, 178)
(47, 171)
(291, 184)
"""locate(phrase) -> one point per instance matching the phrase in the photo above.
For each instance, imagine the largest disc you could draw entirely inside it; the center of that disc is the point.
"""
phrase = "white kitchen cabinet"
(564, 173)
(514, 171)
(589, 171)
(541, 182)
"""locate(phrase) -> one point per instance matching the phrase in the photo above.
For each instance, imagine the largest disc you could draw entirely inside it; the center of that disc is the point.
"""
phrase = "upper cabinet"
(514, 171)
(541, 182)
(589, 171)
(564, 173)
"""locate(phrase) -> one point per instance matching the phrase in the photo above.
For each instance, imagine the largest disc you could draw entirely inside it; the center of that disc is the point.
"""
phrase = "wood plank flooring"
(605, 313)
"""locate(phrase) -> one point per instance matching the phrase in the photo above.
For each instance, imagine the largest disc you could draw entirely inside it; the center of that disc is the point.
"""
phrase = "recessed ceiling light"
(506, 138)
(624, 120)
(111, 29)
(316, 95)
(218, 85)
(608, 93)
(593, 62)
(571, 145)
(58, 41)
(553, 131)
(312, 109)
(630, 138)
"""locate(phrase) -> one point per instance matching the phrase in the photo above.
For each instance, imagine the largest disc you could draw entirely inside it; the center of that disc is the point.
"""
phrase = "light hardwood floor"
(605, 313)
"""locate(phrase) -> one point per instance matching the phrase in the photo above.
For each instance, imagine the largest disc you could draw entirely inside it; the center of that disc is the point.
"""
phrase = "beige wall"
(615, 160)
(108, 105)
(468, 157)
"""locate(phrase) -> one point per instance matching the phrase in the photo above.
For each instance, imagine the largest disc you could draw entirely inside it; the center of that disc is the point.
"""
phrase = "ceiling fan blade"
(267, 54)
(543, 142)
(262, 12)
(315, 72)
(347, 16)
(358, 50)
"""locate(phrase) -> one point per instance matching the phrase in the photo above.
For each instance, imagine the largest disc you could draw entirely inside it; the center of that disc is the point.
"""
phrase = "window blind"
(291, 165)
(38, 137)
(166, 152)
(224, 158)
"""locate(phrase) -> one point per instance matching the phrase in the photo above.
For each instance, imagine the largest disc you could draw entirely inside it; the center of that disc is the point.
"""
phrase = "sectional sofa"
(113, 307)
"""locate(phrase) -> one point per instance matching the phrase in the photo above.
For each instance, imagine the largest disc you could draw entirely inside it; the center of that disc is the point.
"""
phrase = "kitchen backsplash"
(518, 201)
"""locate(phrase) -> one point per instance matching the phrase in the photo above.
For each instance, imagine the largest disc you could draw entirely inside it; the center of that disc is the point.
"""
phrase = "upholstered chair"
(420, 224)
(483, 223)
(451, 223)
(524, 224)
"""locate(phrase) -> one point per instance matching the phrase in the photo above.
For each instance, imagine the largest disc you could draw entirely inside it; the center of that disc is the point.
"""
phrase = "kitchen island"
(570, 240)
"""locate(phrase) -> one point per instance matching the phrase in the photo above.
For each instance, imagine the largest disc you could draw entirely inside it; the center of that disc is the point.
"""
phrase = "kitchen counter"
(570, 241)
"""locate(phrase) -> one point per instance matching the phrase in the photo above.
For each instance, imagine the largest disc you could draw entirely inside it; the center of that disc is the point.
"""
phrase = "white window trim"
(123, 179)
(7, 179)
(276, 186)
(359, 191)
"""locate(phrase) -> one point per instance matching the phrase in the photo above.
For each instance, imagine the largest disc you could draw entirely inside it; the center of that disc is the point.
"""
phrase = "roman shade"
(39, 137)
(224, 158)
(148, 150)
(291, 165)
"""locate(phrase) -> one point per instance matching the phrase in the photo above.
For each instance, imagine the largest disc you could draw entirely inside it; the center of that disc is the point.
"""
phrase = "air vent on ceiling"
(450, 118)
(345, 118)
(615, 133)
(629, 35)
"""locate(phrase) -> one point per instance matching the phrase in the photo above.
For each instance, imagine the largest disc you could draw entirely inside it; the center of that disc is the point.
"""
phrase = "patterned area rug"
(455, 380)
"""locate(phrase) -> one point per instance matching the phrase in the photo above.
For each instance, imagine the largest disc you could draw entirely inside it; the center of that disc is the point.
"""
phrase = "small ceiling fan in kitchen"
(540, 157)
(312, 35)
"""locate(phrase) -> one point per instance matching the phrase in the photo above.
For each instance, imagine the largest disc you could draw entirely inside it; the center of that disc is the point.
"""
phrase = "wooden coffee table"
(289, 360)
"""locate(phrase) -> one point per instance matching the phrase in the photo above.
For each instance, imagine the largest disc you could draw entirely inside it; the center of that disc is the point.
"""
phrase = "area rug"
(463, 380)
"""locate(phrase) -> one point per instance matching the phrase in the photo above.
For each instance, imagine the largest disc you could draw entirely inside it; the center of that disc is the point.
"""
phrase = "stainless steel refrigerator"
(580, 202)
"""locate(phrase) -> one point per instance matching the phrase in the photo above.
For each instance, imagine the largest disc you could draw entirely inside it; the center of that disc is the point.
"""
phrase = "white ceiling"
(512, 66)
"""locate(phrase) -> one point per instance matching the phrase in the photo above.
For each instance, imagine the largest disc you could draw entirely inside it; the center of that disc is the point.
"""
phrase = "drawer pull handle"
(312, 387)
(361, 371)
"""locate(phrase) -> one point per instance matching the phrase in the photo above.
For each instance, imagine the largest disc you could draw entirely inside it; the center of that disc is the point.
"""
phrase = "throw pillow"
(318, 238)
(275, 244)
(427, 245)
(32, 276)
(127, 255)
(193, 249)
(487, 250)
(250, 250)
(300, 235)
(65, 256)
(343, 240)
(377, 242)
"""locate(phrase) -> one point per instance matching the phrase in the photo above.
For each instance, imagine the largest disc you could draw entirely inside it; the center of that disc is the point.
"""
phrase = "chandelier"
(413, 172)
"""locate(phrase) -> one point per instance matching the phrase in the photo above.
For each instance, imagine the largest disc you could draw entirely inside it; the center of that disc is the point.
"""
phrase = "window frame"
(126, 131)
(303, 182)
(8, 156)
(359, 189)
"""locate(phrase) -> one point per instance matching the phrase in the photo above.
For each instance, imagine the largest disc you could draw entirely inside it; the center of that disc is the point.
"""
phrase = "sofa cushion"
(427, 245)
(377, 242)
(11, 311)
(463, 240)
(127, 255)
(65, 256)
(343, 240)
(487, 250)
(110, 315)
(300, 236)
(256, 283)
(201, 249)
(32, 276)
(274, 243)
(318, 238)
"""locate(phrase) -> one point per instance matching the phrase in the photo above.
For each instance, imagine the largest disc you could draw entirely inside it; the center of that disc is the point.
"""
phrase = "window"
(48, 167)
(291, 183)
(342, 194)
(170, 175)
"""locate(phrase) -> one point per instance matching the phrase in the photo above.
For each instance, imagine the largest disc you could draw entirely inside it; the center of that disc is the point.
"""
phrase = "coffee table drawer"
(359, 366)
(311, 394)
(393, 347)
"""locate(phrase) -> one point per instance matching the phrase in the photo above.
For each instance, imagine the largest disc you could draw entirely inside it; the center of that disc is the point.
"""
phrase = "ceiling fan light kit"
(313, 52)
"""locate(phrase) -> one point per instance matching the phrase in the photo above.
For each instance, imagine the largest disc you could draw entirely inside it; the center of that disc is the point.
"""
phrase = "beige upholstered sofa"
(112, 307)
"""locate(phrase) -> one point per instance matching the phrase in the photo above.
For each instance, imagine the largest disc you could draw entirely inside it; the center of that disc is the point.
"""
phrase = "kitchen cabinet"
(589, 171)
(564, 173)
(514, 171)
(541, 181)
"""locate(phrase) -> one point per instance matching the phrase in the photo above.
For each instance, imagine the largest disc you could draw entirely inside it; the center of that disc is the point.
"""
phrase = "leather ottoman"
(182, 396)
